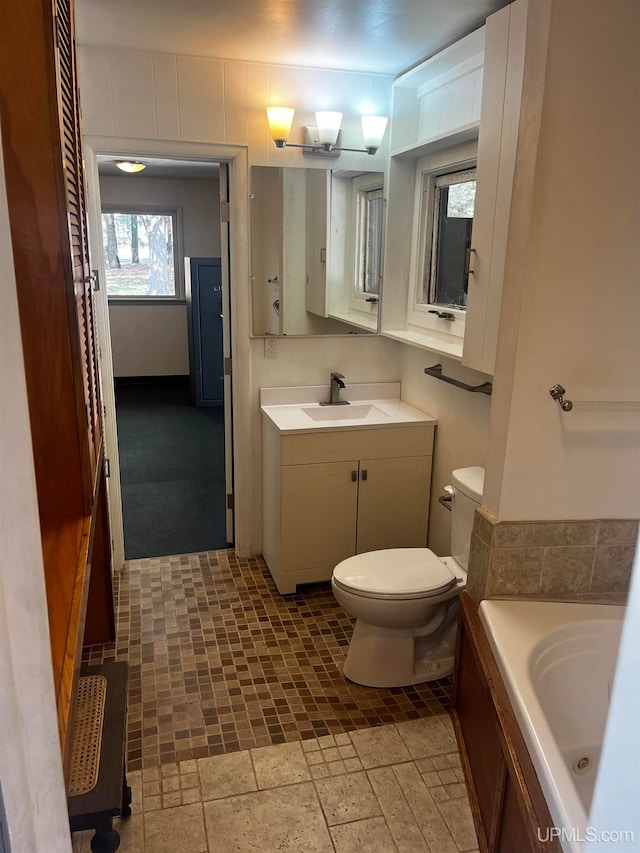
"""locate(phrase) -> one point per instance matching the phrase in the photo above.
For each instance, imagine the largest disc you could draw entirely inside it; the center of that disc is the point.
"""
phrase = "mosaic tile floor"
(219, 662)
(392, 789)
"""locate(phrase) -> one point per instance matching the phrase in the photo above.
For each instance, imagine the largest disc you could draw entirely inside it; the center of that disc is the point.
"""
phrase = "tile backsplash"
(577, 560)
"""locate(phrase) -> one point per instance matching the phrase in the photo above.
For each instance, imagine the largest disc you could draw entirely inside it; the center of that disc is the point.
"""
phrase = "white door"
(94, 223)
(94, 210)
(226, 344)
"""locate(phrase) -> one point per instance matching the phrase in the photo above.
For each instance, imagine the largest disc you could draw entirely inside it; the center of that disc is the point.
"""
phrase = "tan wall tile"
(621, 532)
(612, 568)
(478, 571)
(567, 570)
(544, 534)
(483, 525)
(515, 571)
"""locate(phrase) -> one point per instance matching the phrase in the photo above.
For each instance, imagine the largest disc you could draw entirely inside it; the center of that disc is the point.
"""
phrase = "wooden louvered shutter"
(69, 114)
(41, 149)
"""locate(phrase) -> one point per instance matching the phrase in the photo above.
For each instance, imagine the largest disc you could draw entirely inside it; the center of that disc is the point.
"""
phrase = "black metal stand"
(111, 796)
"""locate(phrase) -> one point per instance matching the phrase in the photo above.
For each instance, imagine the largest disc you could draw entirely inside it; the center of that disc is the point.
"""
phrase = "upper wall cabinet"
(437, 103)
(454, 133)
(497, 142)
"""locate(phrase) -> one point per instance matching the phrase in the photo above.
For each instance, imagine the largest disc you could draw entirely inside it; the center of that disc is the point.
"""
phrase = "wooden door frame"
(237, 343)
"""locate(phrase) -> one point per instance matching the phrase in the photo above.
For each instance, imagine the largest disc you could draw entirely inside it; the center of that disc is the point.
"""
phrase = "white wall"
(30, 762)
(164, 100)
(151, 340)
(462, 433)
(571, 303)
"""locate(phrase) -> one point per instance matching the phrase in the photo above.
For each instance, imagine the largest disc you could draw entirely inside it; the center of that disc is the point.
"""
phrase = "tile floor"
(220, 662)
(395, 787)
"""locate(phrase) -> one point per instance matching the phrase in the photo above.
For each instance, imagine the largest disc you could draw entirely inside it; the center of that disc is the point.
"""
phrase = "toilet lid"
(395, 573)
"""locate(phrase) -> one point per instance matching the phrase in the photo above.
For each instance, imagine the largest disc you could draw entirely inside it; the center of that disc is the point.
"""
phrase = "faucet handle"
(337, 376)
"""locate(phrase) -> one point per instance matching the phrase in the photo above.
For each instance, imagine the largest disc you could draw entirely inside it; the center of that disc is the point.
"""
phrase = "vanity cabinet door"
(393, 503)
(318, 515)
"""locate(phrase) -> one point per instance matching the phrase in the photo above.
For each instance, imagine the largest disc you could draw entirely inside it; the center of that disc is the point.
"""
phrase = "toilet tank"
(468, 485)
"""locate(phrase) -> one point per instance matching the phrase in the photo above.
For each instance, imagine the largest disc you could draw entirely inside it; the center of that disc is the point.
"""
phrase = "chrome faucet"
(337, 385)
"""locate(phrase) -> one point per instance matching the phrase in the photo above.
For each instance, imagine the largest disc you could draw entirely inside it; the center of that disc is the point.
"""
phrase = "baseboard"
(151, 380)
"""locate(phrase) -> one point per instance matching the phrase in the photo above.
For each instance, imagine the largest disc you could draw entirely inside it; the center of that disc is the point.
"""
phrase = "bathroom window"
(141, 254)
(447, 239)
(369, 240)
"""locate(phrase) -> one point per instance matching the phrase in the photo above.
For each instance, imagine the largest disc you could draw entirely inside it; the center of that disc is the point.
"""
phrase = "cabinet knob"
(354, 476)
(364, 474)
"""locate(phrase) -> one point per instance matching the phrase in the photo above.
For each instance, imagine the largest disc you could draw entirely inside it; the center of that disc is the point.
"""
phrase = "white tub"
(558, 661)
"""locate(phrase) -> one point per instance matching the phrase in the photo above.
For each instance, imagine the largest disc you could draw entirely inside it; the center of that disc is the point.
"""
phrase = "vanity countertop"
(372, 406)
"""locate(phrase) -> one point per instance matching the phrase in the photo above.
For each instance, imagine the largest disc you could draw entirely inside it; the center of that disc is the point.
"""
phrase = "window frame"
(362, 187)
(175, 211)
(422, 250)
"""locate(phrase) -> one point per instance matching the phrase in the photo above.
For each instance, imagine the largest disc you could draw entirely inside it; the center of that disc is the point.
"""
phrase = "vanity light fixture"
(326, 137)
(130, 167)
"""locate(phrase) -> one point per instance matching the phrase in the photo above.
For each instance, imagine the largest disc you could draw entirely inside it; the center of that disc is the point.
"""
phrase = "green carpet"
(171, 469)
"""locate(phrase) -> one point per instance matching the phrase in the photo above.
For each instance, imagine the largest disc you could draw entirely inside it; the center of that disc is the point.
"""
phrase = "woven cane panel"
(87, 734)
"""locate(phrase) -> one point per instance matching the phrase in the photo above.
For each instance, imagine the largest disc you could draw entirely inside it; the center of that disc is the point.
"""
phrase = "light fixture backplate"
(313, 146)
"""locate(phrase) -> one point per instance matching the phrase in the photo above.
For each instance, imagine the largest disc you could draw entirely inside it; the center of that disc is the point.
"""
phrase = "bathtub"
(557, 661)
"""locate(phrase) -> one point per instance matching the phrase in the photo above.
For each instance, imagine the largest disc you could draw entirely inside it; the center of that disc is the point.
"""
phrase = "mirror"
(316, 251)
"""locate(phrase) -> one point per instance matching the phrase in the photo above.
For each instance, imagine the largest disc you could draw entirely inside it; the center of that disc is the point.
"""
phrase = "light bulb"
(280, 120)
(130, 167)
(328, 124)
(373, 128)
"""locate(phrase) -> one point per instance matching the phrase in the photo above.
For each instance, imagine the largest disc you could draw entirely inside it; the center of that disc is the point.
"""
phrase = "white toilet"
(405, 600)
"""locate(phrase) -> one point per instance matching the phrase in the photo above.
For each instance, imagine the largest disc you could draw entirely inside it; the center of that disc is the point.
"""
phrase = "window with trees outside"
(141, 254)
(448, 222)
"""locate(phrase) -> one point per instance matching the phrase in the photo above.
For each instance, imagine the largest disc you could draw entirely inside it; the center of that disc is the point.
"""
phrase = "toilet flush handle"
(445, 500)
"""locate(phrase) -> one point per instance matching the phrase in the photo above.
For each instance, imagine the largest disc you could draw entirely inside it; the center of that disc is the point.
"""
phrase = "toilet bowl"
(405, 601)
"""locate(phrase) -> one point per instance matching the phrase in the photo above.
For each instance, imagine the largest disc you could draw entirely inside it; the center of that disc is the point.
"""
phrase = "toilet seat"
(395, 573)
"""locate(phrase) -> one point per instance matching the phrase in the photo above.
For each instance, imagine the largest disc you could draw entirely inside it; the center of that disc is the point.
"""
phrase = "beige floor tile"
(282, 819)
(379, 746)
(397, 812)
(134, 780)
(226, 775)
(81, 841)
(363, 836)
(426, 737)
(431, 823)
(178, 829)
(283, 764)
(346, 798)
(457, 814)
(131, 833)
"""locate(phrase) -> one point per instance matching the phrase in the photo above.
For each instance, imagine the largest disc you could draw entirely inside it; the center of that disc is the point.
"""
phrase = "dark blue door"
(204, 301)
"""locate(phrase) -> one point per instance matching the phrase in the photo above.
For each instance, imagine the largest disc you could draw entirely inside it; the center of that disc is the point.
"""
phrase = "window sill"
(423, 340)
(362, 321)
(146, 301)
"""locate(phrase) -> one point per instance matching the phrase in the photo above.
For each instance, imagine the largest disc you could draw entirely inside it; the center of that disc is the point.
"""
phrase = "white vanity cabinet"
(330, 494)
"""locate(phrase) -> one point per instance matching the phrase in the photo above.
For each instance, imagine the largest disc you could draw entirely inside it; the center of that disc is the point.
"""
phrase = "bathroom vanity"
(341, 480)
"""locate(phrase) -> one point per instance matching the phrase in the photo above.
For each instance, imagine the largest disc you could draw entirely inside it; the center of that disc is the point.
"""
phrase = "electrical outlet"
(270, 348)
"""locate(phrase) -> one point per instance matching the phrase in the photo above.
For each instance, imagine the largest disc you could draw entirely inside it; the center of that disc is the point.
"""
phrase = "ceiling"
(375, 36)
(159, 167)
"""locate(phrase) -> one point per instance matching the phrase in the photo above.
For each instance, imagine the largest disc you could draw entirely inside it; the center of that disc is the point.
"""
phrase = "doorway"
(173, 451)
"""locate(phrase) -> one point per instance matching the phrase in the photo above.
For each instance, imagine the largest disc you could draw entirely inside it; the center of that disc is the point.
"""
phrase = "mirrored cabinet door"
(316, 251)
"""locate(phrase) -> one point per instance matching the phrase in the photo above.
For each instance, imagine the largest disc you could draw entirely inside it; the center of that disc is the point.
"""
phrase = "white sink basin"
(371, 406)
(343, 413)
